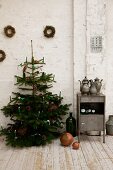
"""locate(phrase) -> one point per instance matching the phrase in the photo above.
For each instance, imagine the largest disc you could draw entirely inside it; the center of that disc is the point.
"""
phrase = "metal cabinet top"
(91, 98)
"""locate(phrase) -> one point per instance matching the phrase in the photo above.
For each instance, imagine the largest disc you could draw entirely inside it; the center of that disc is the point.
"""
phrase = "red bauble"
(66, 139)
(22, 131)
(75, 145)
(28, 108)
(52, 107)
(27, 78)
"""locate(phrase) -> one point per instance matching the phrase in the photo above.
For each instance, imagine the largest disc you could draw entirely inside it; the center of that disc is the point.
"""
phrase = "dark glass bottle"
(71, 124)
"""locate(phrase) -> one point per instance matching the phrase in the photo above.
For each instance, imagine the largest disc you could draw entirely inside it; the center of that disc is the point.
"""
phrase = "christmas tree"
(36, 117)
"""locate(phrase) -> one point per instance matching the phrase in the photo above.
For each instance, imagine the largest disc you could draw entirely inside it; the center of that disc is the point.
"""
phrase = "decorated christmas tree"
(36, 114)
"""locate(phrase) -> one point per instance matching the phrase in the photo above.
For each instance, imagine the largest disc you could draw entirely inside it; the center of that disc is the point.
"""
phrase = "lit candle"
(26, 59)
(60, 94)
(24, 75)
(19, 109)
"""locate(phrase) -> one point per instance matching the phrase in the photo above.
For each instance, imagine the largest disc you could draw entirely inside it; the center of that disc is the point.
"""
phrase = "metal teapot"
(98, 84)
(84, 86)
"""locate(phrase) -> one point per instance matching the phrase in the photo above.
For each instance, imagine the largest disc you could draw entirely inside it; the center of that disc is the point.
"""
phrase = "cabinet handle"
(82, 123)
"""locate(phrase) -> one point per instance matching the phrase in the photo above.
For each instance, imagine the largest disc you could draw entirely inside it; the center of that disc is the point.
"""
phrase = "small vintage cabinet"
(90, 113)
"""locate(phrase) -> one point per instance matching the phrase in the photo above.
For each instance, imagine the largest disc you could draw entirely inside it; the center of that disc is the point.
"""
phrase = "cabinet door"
(91, 122)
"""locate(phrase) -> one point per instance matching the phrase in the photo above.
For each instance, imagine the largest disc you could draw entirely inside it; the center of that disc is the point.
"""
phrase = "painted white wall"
(109, 56)
(79, 42)
(90, 19)
(68, 55)
(29, 19)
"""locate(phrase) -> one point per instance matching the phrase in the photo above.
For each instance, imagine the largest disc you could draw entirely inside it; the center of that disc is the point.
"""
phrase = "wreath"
(49, 31)
(9, 31)
(2, 55)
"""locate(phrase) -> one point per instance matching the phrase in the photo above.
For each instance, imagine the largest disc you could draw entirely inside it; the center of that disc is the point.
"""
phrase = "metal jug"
(93, 89)
(98, 84)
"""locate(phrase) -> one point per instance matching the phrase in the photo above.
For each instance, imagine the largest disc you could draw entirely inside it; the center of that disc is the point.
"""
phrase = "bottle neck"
(111, 117)
(70, 114)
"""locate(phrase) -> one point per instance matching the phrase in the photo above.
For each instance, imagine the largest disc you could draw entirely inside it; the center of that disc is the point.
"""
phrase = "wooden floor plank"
(39, 157)
(95, 140)
(56, 155)
(62, 158)
(5, 155)
(68, 158)
(95, 147)
(99, 151)
(93, 154)
(81, 159)
(50, 157)
(76, 160)
(90, 156)
(2, 143)
(106, 149)
(29, 159)
(15, 160)
(109, 142)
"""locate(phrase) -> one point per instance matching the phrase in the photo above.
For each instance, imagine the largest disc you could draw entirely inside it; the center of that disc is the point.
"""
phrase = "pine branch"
(22, 88)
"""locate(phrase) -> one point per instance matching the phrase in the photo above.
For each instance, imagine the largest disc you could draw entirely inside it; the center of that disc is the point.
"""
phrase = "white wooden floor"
(92, 155)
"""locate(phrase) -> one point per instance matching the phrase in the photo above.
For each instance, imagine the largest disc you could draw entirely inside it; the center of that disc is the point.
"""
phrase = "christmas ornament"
(28, 108)
(15, 132)
(75, 145)
(19, 110)
(53, 107)
(66, 139)
(22, 131)
(27, 78)
(48, 121)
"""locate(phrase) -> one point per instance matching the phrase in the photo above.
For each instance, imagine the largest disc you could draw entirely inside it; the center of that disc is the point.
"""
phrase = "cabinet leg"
(104, 136)
(78, 137)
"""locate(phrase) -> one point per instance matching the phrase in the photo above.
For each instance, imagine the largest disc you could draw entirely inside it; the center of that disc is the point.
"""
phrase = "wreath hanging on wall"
(49, 31)
(9, 31)
(2, 55)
